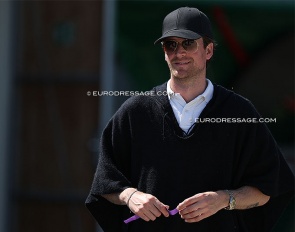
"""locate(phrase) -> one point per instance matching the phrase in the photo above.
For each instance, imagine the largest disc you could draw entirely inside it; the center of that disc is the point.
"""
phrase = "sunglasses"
(170, 46)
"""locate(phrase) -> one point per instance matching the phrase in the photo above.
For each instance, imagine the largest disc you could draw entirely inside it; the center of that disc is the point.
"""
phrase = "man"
(155, 155)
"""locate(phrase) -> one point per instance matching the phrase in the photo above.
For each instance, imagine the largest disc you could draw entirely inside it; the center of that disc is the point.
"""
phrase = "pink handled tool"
(135, 217)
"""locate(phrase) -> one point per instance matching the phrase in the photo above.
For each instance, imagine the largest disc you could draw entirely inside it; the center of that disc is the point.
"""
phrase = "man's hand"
(202, 205)
(147, 206)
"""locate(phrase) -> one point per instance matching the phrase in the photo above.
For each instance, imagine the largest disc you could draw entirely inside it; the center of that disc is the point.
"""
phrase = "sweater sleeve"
(112, 172)
(262, 165)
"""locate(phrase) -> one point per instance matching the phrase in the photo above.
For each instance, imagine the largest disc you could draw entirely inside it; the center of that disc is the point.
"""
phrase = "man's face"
(185, 64)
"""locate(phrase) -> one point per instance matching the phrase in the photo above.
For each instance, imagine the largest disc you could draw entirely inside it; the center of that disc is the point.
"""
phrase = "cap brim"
(186, 34)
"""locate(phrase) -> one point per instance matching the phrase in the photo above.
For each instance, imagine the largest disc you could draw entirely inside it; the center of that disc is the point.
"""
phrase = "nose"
(180, 50)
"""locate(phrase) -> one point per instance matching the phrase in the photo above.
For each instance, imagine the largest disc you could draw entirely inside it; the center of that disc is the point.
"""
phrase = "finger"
(162, 209)
(194, 214)
(152, 211)
(197, 218)
(150, 215)
(189, 201)
(143, 212)
(192, 208)
(158, 208)
(144, 217)
(146, 214)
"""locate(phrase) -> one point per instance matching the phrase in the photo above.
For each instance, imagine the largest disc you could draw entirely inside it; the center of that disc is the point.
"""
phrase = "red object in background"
(230, 38)
(289, 104)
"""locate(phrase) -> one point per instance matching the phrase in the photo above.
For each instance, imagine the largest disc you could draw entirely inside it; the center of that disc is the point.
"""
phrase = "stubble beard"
(187, 76)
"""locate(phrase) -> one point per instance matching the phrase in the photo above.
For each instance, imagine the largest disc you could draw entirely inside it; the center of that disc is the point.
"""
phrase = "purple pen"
(135, 217)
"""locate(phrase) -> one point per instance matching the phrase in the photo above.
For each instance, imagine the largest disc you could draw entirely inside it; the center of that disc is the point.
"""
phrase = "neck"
(188, 90)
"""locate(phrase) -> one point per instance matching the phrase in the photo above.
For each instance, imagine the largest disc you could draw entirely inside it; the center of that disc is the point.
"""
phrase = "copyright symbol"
(88, 93)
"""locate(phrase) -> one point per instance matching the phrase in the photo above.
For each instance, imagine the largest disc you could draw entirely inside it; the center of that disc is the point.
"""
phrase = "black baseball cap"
(186, 22)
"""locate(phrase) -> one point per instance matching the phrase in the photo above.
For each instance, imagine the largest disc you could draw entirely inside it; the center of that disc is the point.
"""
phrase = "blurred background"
(52, 53)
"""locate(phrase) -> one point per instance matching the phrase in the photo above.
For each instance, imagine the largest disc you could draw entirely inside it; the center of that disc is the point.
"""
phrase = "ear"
(209, 51)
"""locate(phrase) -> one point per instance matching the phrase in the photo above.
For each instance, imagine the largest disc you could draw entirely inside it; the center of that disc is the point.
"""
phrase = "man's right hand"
(146, 206)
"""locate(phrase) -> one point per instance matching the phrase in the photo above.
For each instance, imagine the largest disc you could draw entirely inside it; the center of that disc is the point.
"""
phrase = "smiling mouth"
(182, 63)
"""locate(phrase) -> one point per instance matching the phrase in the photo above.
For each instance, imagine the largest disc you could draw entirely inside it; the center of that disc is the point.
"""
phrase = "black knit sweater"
(144, 147)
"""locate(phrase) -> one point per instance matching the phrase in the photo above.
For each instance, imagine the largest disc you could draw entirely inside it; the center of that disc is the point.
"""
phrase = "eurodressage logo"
(235, 120)
(126, 93)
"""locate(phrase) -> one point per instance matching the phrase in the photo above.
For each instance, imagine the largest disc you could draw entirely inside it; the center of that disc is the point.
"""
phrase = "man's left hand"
(202, 205)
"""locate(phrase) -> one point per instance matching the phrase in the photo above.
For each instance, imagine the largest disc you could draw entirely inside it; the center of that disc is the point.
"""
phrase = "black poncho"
(143, 147)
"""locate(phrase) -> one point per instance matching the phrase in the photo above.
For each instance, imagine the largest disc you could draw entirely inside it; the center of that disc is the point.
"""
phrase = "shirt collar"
(170, 92)
(207, 94)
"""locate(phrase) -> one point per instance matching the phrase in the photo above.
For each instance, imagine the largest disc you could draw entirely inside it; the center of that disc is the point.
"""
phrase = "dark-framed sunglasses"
(170, 46)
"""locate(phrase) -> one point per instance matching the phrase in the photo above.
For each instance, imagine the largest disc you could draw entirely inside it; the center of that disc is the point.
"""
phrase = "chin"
(180, 75)
(181, 78)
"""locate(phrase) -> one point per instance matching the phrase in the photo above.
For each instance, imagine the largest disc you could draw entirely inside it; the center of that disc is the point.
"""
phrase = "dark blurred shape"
(60, 62)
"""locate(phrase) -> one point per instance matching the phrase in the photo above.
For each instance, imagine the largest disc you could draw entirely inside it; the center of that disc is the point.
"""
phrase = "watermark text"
(235, 120)
(126, 93)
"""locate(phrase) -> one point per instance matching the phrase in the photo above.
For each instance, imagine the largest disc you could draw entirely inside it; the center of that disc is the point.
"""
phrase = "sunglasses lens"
(169, 46)
(190, 45)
